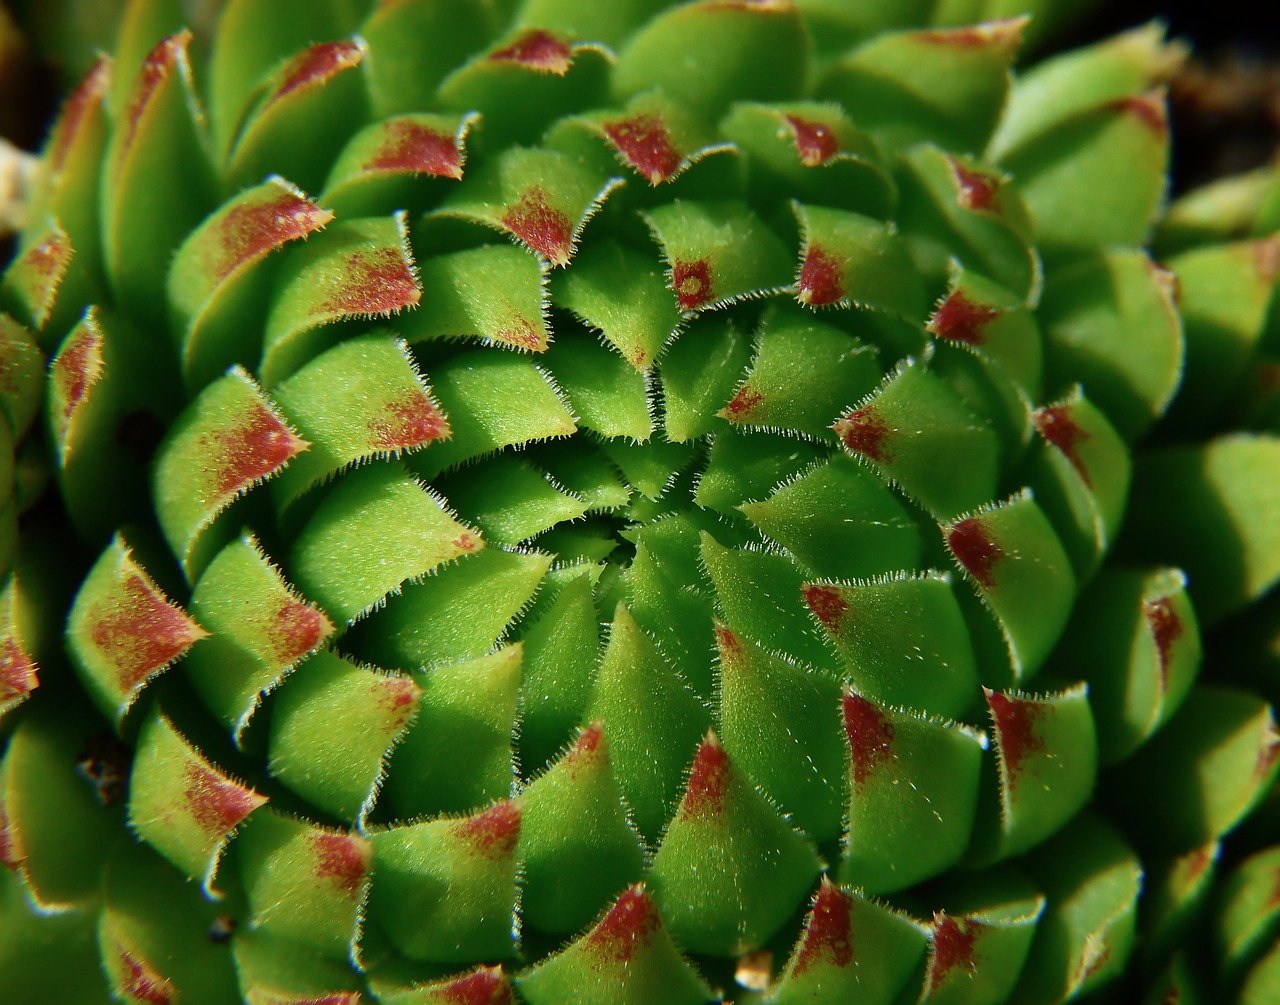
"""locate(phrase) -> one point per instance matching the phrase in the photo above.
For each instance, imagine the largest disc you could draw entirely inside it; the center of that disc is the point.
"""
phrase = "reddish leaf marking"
(1268, 753)
(630, 926)
(816, 143)
(297, 630)
(341, 860)
(708, 780)
(155, 71)
(870, 735)
(542, 227)
(1194, 864)
(1057, 426)
(76, 369)
(743, 403)
(17, 671)
(692, 283)
(821, 278)
(728, 643)
(644, 141)
(407, 422)
(1166, 279)
(48, 259)
(976, 190)
(538, 50)
(829, 931)
(143, 984)
(827, 604)
(974, 549)
(1015, 720)
(215, 803)
(12, 853)
(251, 451)
(250, 232)
(1149, 109)
(1166, 628)
(138, 631)
(485, 986)
(86, 97)
(952, 947)
(399, 697)
(959, 319)
(493, 832)
(1266, 259)
(521, 332)
(317, 65)
(377, 282)
(465, 542)
(980, 36)
(411, 148)
(864, 431)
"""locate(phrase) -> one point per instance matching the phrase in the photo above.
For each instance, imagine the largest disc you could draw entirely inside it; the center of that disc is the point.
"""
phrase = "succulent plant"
(634, 502)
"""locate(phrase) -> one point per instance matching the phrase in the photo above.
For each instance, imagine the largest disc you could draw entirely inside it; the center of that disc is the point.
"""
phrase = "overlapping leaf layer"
(614, 502)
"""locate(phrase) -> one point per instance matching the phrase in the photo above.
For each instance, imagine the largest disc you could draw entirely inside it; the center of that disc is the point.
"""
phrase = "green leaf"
(457, 614)
(457, 755)
(576, 842)
(699, 373)
(913, 795)
(259, 629)
(332, 726)
(276, 971)
(944, 85)
(218, 281)
(304, 884)
(123, 631)
(975, 955)
(609, 397)
(494, 294)
(484, 986)
(802, 374)
(622, 294)
(750, 466)
(301, 112)
(781, 726)
(493, 400)
(180, 804)
(356, 269)
(730, 868)
(1111, 324)
(376, 529)
(445, 890)
(652, 718)
(910, 428)
(32, 285)
(902, 640)
(226, 441)
(1212, 509)
(628, 958)
(1018, 567)
(362, 399)
(18, 671)
(852, 949)
(726, 52)
(717, 253)
(21, 375)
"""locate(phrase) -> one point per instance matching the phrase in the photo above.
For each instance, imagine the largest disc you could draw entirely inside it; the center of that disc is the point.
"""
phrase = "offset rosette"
(565, 502)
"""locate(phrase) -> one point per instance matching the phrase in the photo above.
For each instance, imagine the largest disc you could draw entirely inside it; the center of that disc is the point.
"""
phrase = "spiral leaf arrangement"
(615, 502)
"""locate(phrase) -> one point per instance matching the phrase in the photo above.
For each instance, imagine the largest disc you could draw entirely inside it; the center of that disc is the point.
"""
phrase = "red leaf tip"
(821, 279)
(708, 780)
(828, 934)
(647, 146)
(975, 550)
(537, 50)
(629, 927)
(959, 319)
(870, 735)
(865, 432)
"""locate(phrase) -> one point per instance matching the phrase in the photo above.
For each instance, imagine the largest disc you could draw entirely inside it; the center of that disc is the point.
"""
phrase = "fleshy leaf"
(482, 986)
(31, 284)
(910, 427)
(355, 269)
(913, 794)
(445, 890)
(122, 631)
(851, 949)
(652, 718)
(975, 956)
(608, 396)
(493, 293)
(698, 374)
(332, 724)
(902, 640)
(375, 530)
(182, 805)
(1017, 565)
(260, 629)
(457, 754)
(304, 884)
(576, 842)
(780, 725)
(510, 500)
(628, 958)
(21, 375)
(227, 441)
(19, 675)
(717, 253)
